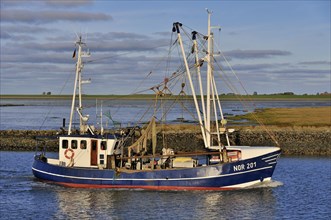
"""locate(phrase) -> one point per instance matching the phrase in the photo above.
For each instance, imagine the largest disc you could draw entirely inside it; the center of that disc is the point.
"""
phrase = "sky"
(273, 46)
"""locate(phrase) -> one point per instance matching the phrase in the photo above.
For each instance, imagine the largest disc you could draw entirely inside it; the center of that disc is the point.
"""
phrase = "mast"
(78, 85)
(209, 69)
(197, 63)
(215, 95)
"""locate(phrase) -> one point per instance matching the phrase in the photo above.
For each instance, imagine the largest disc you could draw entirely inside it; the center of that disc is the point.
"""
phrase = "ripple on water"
(267, 184)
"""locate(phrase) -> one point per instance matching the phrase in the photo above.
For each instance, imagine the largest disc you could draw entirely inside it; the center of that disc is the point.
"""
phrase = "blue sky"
(274, 46)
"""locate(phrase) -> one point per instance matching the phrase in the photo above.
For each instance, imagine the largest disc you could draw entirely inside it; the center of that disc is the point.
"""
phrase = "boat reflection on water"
(118, 204)
(84, 204)
(243, 204)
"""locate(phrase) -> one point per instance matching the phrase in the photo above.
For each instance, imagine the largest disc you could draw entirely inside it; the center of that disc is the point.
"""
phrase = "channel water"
(300, 189)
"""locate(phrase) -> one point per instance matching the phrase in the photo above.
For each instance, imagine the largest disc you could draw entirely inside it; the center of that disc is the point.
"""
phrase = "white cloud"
(253, 54)
(50, 16)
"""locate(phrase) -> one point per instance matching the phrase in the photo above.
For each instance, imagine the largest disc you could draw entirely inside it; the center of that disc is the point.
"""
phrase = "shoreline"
(294, 141)
(272, 97)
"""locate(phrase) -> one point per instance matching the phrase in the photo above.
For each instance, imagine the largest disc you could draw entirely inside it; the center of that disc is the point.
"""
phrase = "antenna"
(77, 37)
(208, 11)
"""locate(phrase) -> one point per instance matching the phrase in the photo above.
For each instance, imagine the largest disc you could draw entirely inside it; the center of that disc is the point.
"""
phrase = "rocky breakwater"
(314, 141)
(292, 140)
(28, 140)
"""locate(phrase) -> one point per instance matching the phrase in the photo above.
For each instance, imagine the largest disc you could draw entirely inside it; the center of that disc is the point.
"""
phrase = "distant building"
(288, 93)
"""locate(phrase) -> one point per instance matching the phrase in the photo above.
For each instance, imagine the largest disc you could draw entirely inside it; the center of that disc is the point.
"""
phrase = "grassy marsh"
(306, 116)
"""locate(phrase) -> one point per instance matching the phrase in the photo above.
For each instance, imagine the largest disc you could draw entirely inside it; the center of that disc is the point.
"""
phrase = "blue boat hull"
(213, 177)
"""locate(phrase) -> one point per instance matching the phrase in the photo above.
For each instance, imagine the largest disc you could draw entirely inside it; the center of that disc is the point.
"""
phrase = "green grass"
(307, 116)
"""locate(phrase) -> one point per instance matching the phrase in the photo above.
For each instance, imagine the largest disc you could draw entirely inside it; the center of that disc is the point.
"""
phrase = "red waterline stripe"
(74, 185)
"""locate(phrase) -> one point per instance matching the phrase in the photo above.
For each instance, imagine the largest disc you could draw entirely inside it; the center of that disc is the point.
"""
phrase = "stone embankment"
(28, 140)
(299, 141)
(293, 141)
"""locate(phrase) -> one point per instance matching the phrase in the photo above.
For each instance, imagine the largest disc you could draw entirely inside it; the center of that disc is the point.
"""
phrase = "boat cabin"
(94, 151)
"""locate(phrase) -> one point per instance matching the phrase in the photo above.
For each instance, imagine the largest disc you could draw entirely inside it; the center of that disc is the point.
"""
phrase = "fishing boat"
(92, 158)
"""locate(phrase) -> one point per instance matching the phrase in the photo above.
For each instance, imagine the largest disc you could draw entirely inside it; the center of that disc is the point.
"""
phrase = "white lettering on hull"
(242, 167)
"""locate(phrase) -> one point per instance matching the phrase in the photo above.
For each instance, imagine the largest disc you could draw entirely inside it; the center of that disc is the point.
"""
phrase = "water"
(48, 114)
(301, 189)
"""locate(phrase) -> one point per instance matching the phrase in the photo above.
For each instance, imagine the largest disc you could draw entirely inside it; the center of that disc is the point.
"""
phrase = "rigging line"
(231, 86)
(188, 111)
(177, 98)
(104, 58)
(169, 108)
(174, 81)
(134, 117)
(164, 114)
(240, 98)
(228, 81)
(143, 115)
(191, 29)
(121, 54)
(163, 104)
(125, 54)
(200, 36)
(161, 61)
(193, 115)
(175, 75)
(188, 35)
(202, 44)
(171, 78)
(169, 52)
(51, 109)
(234, 73)
(141, 82)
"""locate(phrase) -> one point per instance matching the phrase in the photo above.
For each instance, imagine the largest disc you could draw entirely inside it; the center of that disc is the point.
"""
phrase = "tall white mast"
(78, 84)
(194, 33)
(209, 70)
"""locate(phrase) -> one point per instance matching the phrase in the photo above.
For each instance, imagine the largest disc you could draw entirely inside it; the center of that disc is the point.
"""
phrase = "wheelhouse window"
(103, 145)
(83, 144)
(64, 144)
(74, 144)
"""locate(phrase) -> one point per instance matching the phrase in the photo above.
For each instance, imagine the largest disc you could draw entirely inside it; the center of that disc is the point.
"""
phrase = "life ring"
(66, 153)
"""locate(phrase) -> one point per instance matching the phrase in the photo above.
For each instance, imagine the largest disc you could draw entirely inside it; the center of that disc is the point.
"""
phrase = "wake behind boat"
(94, 158)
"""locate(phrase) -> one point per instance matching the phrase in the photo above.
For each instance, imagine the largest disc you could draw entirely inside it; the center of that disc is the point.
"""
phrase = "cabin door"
(94, 152)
